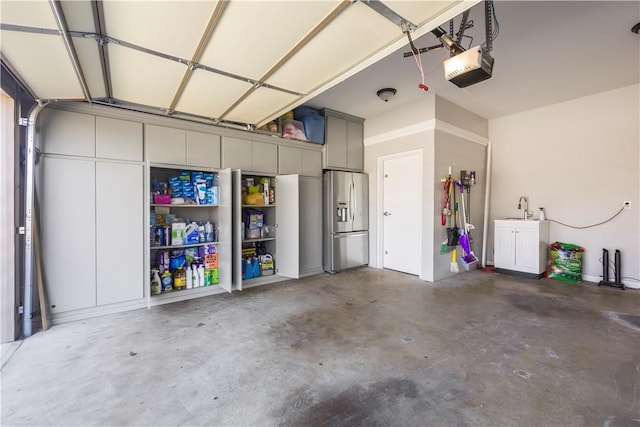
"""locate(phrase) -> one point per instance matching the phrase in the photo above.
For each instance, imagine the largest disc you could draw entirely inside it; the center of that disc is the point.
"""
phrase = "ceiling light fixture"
(386, 94)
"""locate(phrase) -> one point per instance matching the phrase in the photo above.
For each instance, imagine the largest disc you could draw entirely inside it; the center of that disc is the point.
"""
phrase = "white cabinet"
(181, 147)
(166, 145)
(118, 139)
(294, 160)
(67, 133)
(254, 156)
(521, 246)
(310, 213)
(92, 233)
(294, 229)
(67, 197)
(119, 215)
(343, 147)
(203, 150)
(217, 212)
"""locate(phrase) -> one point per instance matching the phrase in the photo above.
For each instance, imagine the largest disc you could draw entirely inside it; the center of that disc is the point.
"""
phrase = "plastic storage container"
(304, 110)
(293, 129)
(313, 127)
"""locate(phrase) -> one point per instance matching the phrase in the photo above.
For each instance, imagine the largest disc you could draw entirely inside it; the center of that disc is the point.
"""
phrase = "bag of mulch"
(565, 262)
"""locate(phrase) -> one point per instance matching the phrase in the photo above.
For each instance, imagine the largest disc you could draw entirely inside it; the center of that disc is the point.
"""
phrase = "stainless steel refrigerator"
(346, 220)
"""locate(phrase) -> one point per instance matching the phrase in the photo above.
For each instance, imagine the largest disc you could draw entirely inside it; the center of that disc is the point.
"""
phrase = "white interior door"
(402, 210)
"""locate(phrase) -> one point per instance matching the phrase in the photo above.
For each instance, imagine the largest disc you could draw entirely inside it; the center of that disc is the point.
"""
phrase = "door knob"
(386, 213)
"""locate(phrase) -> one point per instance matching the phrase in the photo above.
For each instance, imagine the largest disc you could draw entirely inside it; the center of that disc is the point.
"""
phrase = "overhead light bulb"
(386, 94)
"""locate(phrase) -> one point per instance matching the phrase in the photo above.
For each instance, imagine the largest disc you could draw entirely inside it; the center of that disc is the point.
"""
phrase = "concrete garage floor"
(363, 348)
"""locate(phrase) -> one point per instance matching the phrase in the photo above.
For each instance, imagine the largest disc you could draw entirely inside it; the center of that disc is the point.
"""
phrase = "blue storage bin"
(313, 127)
(304, 110)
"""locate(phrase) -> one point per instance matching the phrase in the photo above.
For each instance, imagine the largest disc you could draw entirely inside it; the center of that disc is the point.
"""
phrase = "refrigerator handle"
(352, 189)
(355, 200)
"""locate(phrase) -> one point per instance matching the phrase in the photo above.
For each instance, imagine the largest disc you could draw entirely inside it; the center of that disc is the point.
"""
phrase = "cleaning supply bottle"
(156, 285)
(167, 281)
(194, 276)
(201, 275)
(255, 267)
(189, 278)
(208, 232)
(179, 279)
(542, 216)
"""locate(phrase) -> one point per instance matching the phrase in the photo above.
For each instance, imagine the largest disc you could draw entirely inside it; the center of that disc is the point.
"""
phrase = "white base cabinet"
(521, 246)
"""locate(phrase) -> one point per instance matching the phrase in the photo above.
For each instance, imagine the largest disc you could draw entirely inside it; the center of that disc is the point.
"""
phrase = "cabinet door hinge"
(20, 230)
(20, 309)
(23, 121)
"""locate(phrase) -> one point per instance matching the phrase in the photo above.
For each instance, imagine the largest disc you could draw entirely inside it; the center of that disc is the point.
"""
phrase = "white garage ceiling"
(234, 62)
(546, 52)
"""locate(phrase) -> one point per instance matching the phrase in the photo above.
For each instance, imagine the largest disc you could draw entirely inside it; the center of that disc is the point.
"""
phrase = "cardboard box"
(211, 261)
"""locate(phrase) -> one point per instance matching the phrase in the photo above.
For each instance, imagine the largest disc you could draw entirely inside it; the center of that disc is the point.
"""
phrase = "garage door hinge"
(20, 230)
(23, 121)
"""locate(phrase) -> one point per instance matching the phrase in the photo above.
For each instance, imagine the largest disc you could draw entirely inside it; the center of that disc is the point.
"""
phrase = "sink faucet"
(525, 214)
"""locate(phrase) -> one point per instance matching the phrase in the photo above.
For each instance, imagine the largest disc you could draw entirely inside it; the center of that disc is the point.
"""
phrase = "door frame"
(380, 201)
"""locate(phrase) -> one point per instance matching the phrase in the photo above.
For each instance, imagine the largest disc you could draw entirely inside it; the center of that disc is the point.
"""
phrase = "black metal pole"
(618, 269)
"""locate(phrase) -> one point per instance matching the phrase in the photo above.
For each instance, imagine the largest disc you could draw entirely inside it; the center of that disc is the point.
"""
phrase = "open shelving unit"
(218, 214)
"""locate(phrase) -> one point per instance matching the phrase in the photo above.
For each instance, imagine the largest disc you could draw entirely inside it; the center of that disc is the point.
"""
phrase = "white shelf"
(259, 206)
(262, 239)
(153, 205)
(195, 245)
(175, 291)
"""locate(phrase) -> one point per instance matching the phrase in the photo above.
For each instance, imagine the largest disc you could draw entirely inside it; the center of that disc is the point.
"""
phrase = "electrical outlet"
(627, 204)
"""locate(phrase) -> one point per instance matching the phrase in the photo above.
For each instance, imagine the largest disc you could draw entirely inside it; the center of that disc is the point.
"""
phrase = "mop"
(469, 257)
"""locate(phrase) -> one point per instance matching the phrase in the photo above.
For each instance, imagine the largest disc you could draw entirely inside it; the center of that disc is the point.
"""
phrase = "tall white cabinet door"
(288, 230)
(225, 237)
(236, 212)
(310, 225)
(120, 233)
(67, 224)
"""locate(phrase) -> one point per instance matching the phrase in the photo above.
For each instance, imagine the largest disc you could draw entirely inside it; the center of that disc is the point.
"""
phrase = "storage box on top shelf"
(304, 110)
(293, 129)
(313, 128)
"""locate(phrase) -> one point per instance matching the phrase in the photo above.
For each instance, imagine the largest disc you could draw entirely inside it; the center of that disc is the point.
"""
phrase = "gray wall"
(448, 136)
(460, 154)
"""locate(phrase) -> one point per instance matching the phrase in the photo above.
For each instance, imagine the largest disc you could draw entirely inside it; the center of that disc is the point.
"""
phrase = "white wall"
(7, 223)
(579, 160)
